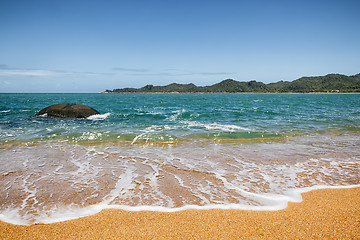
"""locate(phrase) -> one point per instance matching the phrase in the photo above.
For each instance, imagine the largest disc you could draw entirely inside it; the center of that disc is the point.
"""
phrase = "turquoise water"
(180, 116)
(168, 152)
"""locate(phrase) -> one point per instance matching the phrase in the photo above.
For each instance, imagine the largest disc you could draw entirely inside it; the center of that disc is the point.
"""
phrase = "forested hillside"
(328, 83)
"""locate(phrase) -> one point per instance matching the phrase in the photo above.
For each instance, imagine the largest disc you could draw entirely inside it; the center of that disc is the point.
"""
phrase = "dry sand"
(324, 214)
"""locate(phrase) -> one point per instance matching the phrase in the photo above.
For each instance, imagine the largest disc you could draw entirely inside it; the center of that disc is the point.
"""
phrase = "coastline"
(325, 213)
(336, 93)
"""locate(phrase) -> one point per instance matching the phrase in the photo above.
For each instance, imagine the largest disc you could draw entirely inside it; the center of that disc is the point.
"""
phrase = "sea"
(173, 151)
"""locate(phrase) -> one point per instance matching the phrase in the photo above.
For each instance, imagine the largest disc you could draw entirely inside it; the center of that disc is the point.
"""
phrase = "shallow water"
(168, 152)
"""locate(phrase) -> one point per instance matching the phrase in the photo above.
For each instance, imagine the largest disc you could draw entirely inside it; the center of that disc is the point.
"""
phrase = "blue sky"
(90, 46)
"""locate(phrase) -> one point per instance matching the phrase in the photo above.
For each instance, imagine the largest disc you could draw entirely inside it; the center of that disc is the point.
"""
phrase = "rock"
(67, 110)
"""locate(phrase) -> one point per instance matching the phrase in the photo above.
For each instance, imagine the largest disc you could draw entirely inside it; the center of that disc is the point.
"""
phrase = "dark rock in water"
(67, 110)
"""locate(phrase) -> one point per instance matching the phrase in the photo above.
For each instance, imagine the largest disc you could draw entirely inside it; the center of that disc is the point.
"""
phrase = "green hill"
(328, 83)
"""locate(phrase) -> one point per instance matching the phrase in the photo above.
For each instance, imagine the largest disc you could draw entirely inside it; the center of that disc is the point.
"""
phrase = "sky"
(90, 46)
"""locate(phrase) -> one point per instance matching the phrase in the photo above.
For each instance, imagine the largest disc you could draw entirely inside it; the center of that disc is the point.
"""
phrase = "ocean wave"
(43, 115)
(215, 126)
(146, 137)
(86, 136)
(99, 116)
(190, 175)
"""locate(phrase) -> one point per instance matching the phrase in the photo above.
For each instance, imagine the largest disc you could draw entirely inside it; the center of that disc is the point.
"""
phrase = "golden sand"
(324, 214)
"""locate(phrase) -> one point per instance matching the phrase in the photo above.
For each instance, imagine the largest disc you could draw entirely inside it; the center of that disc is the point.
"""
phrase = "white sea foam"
(99, 116)
(89, 136)
(192, 175)
(71, 212)
(222, 127)
(12, 216)
(138, 137)
(215, 126)
(176, 115)
(152, 129)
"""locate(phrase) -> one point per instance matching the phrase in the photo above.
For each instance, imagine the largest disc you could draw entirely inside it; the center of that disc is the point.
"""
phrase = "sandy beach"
(323, 214)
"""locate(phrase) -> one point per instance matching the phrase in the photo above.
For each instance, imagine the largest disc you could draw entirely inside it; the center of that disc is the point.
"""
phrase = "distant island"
(331, 83)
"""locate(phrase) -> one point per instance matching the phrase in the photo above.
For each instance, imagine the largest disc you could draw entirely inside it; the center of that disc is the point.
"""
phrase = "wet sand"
(323, 214)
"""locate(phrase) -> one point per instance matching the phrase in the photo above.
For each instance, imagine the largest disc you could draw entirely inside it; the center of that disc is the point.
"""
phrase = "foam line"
(11, 216)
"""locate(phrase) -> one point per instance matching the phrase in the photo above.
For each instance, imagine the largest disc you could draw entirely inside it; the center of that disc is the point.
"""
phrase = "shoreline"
(323, 213)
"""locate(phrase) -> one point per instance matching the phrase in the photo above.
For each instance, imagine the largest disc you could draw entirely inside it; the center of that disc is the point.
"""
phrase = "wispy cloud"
(28, 72)
(131, 69)
(166, 72)
(5, 71)
(181, 73)
(215, 73)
